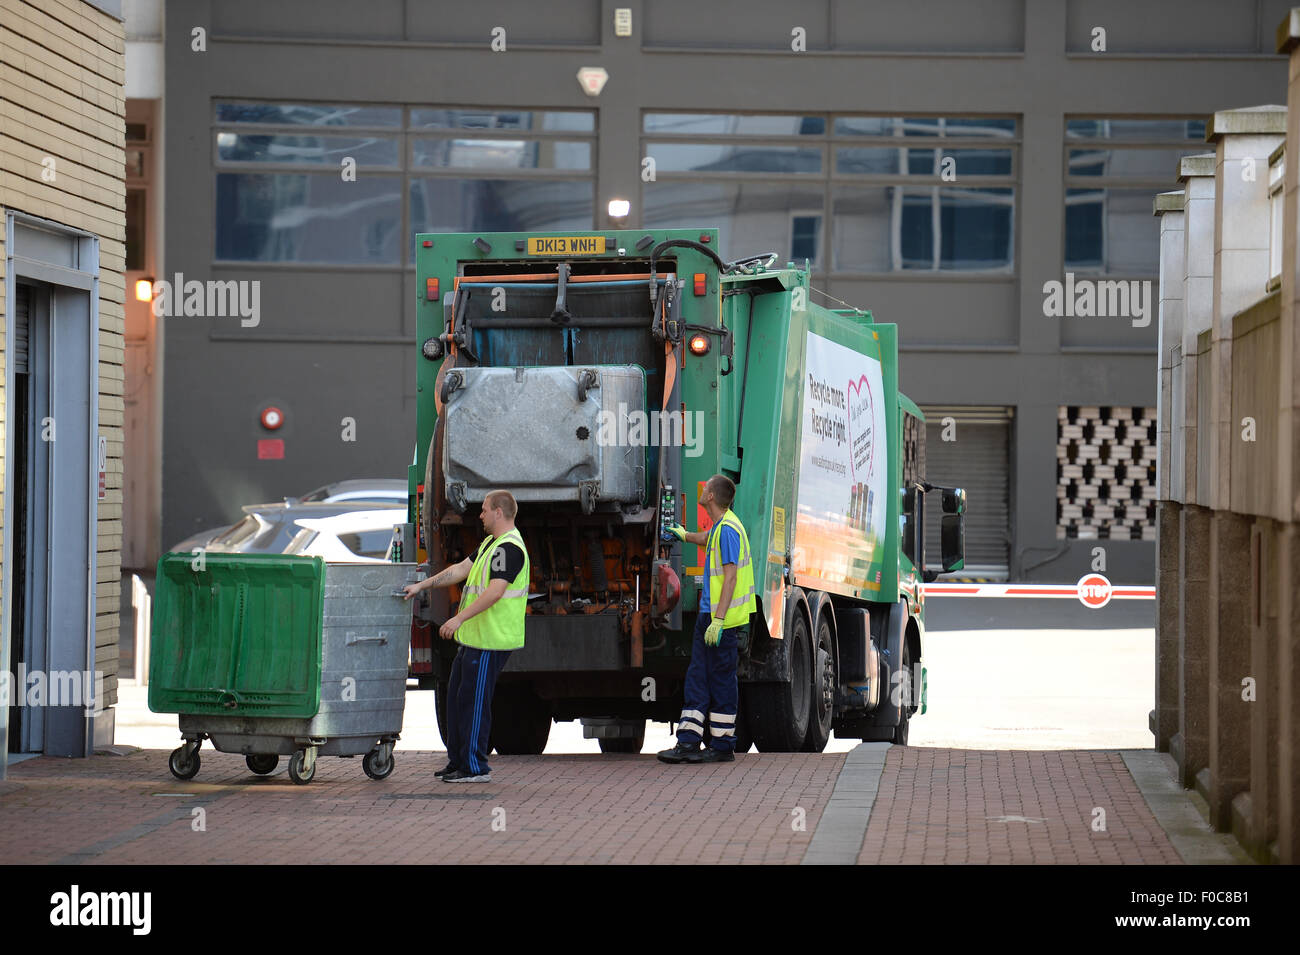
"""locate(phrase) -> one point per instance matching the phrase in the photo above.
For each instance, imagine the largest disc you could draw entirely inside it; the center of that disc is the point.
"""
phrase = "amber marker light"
(699, 345)
(144, 290)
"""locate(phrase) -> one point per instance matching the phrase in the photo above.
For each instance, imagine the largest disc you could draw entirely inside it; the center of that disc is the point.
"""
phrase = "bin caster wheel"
(296, 772)
(374, 768)
(262, 763)
(183, 767)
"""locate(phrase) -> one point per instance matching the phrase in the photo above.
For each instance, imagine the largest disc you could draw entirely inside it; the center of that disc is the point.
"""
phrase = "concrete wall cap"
(1168, 202)
(1252, 120)
(1201, 164)
(1288, 31)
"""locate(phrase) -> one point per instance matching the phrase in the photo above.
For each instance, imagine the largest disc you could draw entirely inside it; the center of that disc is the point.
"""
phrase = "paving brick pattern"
(932, 806)
(955, 806)
(557, 809)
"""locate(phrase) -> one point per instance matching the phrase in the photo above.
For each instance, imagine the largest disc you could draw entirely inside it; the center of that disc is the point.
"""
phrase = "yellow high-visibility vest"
(501, 626)
(743, 601)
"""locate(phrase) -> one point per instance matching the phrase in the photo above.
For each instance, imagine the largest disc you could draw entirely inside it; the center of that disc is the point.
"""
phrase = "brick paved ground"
(948, 806)
(933, 806)
(558, 809)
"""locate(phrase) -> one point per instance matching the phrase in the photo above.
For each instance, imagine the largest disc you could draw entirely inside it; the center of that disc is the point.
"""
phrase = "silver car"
(263, 526)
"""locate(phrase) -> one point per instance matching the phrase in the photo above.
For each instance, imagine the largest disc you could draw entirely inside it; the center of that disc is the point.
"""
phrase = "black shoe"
(449, 768)
(681, 753)
(459, 777)
(711, 755)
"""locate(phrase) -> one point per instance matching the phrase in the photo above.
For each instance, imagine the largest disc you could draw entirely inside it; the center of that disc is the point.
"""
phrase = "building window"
(136, 224)
(137, 195)
(354, 184)
(804, 232)
(1106, 473)
(1112, 167)
(903, 193)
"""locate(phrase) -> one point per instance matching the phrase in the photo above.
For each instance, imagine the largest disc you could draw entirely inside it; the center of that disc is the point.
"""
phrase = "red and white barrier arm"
(1032, 590)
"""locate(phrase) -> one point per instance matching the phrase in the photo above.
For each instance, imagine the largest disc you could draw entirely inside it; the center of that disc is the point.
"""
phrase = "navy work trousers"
(711, 689)
(469, 707)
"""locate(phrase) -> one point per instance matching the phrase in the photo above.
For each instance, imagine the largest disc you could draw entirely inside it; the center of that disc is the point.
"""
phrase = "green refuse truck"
(602, 378)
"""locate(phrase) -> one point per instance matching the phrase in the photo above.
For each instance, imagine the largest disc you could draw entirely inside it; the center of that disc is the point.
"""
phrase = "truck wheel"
(904, 717)
(624, 744)
(822, 705)
(521, 721)
(778, 712)
(744, 739)
(430, 502)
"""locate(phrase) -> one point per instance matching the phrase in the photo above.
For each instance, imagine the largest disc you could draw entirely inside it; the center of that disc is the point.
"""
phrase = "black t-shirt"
(506, 562)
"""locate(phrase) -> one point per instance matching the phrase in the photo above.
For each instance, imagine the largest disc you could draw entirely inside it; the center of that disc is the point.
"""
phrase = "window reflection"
(752, 217)
(301, 217)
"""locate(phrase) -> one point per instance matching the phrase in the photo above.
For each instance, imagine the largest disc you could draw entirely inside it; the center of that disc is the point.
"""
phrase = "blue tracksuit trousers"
(469, 707)
(711, 690)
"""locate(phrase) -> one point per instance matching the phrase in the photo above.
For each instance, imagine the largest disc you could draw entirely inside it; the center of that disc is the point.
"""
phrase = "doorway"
(51, 390)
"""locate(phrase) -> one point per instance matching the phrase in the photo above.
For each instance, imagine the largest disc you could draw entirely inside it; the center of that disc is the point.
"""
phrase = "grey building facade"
(936, 161)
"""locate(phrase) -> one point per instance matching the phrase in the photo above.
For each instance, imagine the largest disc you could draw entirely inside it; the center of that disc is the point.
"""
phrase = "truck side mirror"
(952, 534)
(954, 500)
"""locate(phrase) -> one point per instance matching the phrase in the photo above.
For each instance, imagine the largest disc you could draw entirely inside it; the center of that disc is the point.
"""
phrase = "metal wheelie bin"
(271, 655)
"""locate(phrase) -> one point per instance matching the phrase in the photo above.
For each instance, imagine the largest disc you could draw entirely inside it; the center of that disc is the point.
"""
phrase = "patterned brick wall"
(1105, 473)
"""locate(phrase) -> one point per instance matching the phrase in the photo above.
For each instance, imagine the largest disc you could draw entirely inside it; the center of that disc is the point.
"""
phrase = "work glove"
(713, 635)
(676, 530)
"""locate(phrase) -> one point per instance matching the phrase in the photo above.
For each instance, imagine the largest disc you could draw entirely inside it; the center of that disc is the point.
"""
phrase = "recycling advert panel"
(842, 467)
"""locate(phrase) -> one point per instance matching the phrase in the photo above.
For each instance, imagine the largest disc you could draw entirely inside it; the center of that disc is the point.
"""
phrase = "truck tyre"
(624, 744)
(821, 708)
(430, 502)
(904, 716)
(521, 721)
(777, 713)
(744, 739)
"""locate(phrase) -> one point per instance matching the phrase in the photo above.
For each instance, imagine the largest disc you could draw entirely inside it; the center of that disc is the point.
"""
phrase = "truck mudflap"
(889, 711)
(768, 660)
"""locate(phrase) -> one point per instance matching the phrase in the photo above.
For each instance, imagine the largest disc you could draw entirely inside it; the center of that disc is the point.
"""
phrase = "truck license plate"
(566, 245)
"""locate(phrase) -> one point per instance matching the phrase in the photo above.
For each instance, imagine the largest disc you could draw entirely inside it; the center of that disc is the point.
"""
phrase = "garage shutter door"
(22, 308)
(979, 461)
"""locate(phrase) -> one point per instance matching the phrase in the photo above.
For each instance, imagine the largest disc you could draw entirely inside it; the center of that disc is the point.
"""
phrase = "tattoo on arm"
(443, 578)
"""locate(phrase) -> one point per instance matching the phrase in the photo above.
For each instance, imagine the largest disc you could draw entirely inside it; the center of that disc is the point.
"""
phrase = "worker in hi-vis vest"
(488, 625)
(726, 601)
